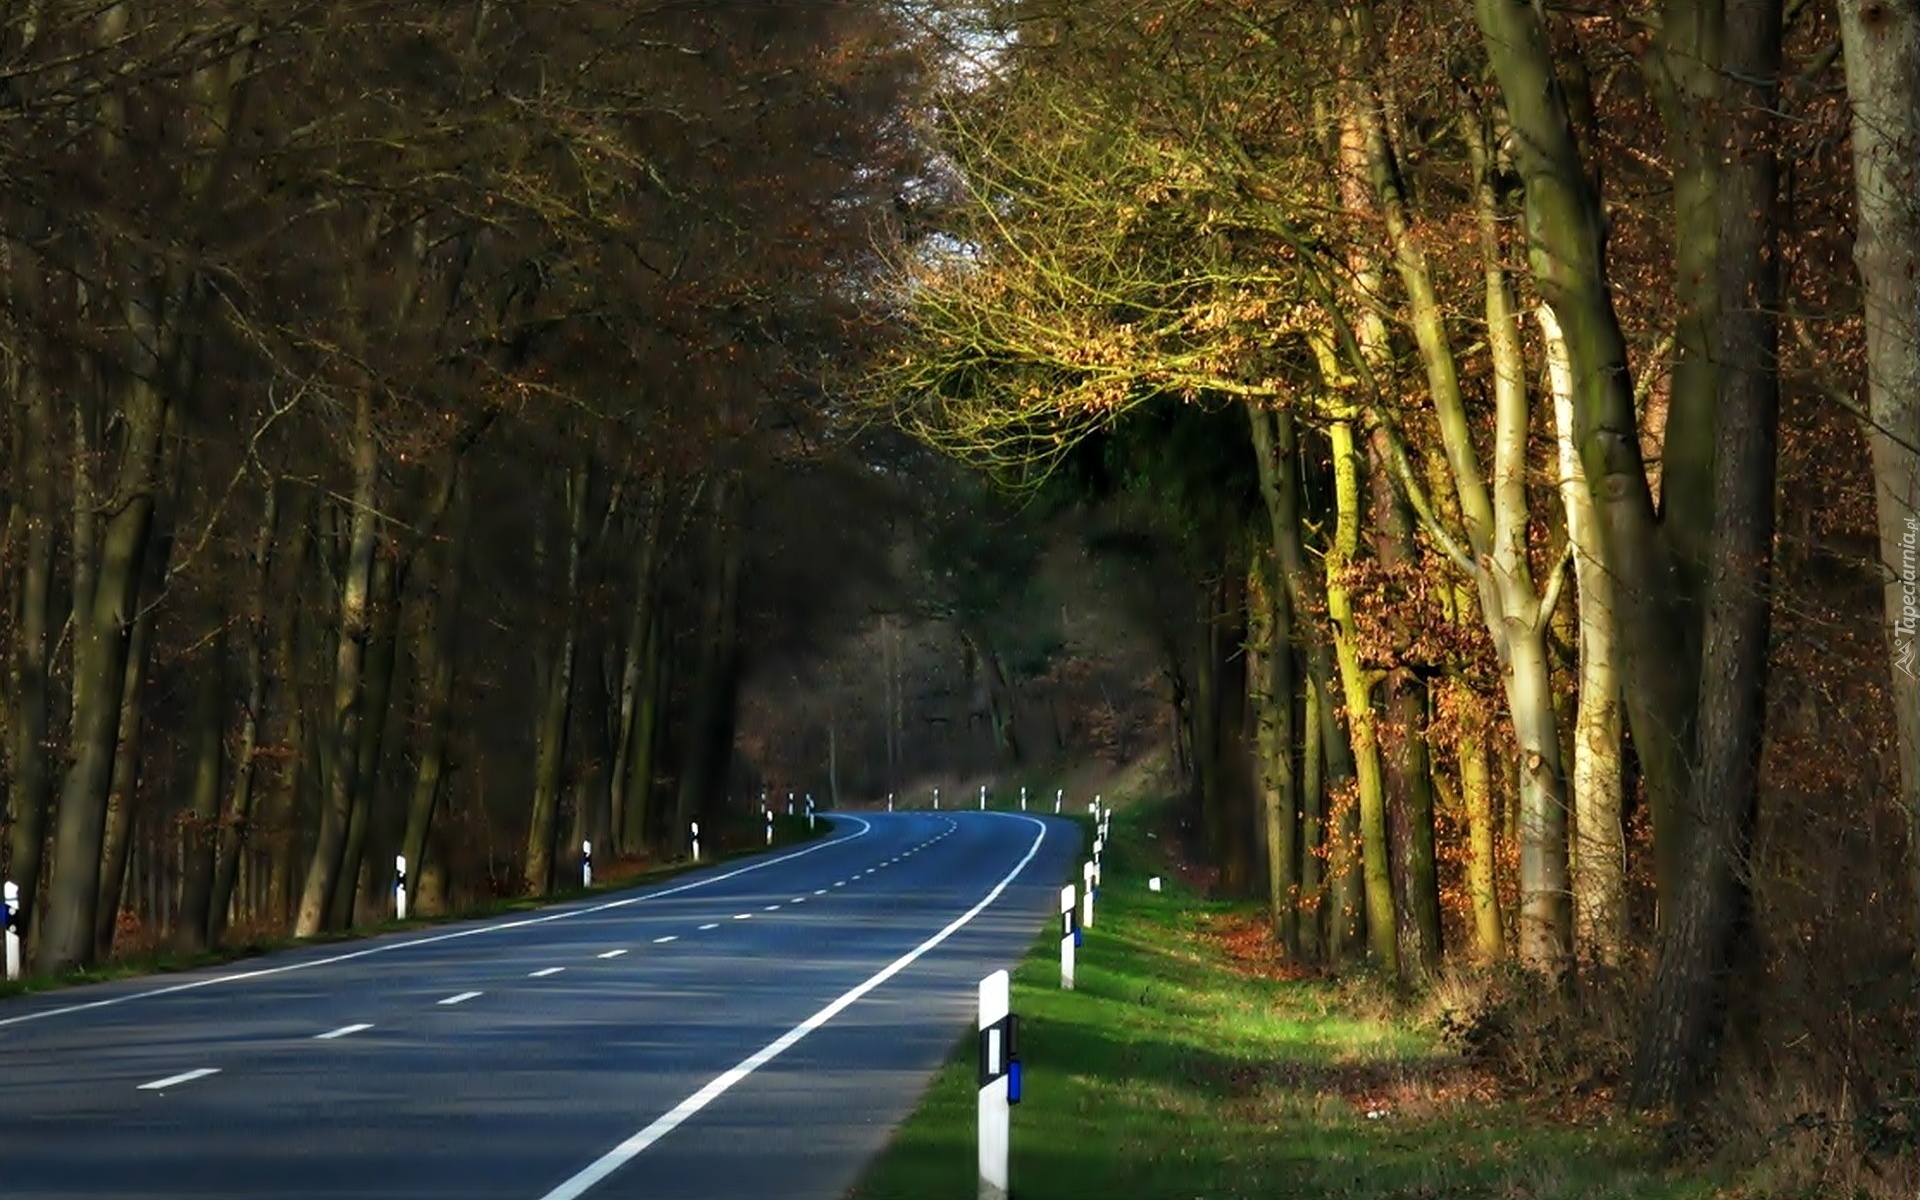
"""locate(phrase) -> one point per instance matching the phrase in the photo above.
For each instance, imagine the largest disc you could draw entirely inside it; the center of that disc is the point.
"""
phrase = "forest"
(1466, 451)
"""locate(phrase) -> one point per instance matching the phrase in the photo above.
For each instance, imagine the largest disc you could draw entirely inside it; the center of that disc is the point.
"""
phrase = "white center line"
(611, 954)
(798, 900)
(562, 914)
(771, 908)
(819, 891)
(661, 941)
(341, 1032)
(839, 883)
(742, 916)
(596, 1171)
(462, 998)
(543, 972)
(709, 925)
(183, 1077)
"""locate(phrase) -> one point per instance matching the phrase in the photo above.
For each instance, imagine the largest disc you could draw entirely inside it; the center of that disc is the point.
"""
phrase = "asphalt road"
(753, 1030)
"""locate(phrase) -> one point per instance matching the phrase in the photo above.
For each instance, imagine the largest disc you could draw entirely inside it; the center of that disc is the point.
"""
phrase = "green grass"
(1171, 1074)
(788, 832)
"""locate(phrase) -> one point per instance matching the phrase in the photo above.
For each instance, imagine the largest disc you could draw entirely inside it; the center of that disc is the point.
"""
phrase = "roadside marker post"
(889, 801)
(1059, 798)
(999, 1081)
(809, 814)
(400, 887)
(696, 841)
(1069, 935)
(586, 864)
(1086, 897)
(1153, 885)
(983, 797)
(770, 825)
(1023, 797)
(936, 799)
(10, 921)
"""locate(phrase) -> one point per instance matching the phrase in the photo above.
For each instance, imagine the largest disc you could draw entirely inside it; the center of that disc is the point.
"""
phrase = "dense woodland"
(1471, 445)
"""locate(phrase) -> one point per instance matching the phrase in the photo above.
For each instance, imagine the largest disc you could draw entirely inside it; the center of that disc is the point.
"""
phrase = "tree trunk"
(1375, 861)
(625, 833)
(435, 659)
(342, 739)
(376, 695)
(1273, 695)
(31, 776)
(235, 827)
(638, 818)
(1882, 45)
(198, 824)
(1599, 786)
(123, 800)
(1476, 793)
(1700, 932)
(102, 633)
(556, 678)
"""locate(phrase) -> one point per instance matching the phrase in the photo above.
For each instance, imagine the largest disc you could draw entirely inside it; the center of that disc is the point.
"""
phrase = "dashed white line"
(661, 941)
(839, 883)
(462, 998)
(771, 908)
(341, 1032)
(710, 925)
(183, 1077)
(798, 900)
(611, 954)
(389, 947)
(742, 916)
(819, 891)
(543, 972)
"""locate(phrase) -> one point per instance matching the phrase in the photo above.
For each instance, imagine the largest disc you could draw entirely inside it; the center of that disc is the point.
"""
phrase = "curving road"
(753, 1030)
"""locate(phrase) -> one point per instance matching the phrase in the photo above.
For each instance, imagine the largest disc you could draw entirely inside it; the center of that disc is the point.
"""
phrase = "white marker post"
(1098, 845)
(889, 801)
(770, 826)
(936, 799)
(999, 1071)
(809, 814)
(10, 922)
(1023, 797)
(1069, 933)
(1153, 885)
(1059, 798)
(1086, 895)
(983, 797)
(400, 887)
(696, 841)
(789, 805)
(586, 864)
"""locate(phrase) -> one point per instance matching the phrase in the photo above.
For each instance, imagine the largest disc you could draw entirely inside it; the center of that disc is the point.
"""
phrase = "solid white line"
(462, 998)
(183, 1077)
(341, 1032)
(709, 925)
(388, 947)
(626, 1151)
(543, 972)
(611, 954)
(661, 941)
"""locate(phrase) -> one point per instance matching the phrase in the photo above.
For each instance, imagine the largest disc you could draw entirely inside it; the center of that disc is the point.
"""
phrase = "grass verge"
(1175, 1072)
(788, 832)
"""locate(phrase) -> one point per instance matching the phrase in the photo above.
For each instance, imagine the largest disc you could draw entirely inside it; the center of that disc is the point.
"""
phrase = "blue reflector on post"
(1013, 1082)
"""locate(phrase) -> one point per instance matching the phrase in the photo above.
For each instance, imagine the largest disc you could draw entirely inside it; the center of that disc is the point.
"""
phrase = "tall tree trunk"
(1476, 793)
(376, 695)
(1375, 860)
(102, 633)
(1273, 696)
(1599, 784)
(625, 833)
(198, 823)
(435, 659)
(235, 825)
(702, 772)
(638, 818)
(30, 776)
(556, 704)
(342, 738)
(1882, 44)
(123, 799)
(1700, 932)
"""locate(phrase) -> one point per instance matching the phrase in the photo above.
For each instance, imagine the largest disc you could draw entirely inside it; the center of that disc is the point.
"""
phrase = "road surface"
(752, 1030)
